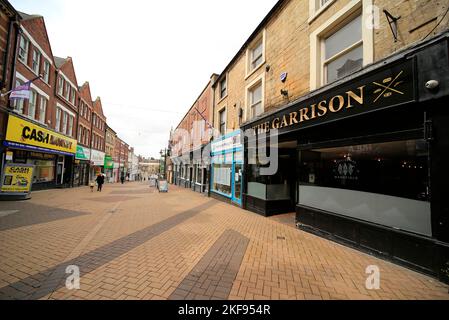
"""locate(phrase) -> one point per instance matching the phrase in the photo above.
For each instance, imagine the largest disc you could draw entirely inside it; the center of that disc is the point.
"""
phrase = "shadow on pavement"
(92, 260)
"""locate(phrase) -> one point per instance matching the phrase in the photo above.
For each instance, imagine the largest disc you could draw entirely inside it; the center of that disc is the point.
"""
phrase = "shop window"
(199, 174)
(35, 64)
(23, 49)
(32, 104)
(385, 183)
(221, 175)
(343, 51)
(43, 170)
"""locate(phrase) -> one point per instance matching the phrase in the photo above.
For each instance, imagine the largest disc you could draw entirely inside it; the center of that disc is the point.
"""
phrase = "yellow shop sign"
(25, 132)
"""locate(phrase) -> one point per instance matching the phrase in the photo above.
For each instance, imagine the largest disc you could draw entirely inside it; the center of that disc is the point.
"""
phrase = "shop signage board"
(385, 88)
(227, 143)
(108, 162)
(82, 153)
(97, 158)
(27, 135)
(17, 179)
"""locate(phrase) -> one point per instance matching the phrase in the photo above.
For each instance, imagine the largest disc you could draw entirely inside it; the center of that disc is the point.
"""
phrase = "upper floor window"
(255, 100)
(65, 118)
(321, 3)
(42, 109)
(36, 61)
(23, 49)
(70, 126)
(60, 85)
(72, 96)
(32, 104)
(46, 71)
(256, 55)
(67, 91)
(343, 51)
(222, 121)
(223, 88)
(17, 104)
(58, 119)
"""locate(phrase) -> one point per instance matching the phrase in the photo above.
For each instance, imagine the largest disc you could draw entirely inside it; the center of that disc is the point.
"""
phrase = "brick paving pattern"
(131, 242)
(214, 275)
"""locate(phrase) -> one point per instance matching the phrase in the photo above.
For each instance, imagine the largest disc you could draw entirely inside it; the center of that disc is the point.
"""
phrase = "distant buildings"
(60, 129)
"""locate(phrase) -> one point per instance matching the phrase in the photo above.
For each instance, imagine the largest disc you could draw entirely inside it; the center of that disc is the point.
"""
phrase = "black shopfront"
(365, 161)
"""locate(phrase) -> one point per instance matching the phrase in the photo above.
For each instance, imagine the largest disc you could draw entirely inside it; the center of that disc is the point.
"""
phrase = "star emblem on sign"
(388, 87)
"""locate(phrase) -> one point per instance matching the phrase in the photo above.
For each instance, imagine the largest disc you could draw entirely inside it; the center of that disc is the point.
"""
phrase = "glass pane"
(256, 109)
(237, 181)
(346, 64)
(343, 38)
(256, 95)
(393, 168)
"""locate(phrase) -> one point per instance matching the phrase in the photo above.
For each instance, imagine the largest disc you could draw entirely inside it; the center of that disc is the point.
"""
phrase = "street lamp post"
(163, 154)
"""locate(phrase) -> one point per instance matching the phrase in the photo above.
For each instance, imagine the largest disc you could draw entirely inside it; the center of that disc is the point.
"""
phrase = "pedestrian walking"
(122, 178)
(100, 181)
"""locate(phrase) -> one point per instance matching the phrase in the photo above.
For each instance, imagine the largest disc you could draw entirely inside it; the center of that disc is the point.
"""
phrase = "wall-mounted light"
(393, 22)
(284, 92)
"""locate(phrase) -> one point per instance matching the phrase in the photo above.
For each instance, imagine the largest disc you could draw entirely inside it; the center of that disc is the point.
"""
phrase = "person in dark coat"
(100, 181)
(122, 178)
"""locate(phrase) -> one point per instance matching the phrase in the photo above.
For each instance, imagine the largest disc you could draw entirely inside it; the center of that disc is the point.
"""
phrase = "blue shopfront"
(227, 168)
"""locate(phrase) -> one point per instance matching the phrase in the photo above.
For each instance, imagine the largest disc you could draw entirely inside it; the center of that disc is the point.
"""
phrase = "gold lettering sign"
(335, 104)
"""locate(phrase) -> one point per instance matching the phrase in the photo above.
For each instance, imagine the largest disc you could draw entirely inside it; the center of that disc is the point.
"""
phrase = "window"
(65, 117)
(60, 85)
(255, 100)
(70, 129)
(72, 96)
(343, 51)
(17, 104)
(35, 64)
(256, 55)
(46, 72)
(32, 104)
(321, 3)
(385, 183)
(80, 132)
(58, 119)
(23, 49)
(223, 88)
(67, 90)
(222, 121)
(42, 109)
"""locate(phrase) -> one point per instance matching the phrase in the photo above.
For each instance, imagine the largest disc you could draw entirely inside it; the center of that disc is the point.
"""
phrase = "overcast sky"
(147, 60)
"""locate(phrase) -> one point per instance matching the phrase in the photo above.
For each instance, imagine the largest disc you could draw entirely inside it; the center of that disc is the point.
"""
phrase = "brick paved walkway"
(131, 242)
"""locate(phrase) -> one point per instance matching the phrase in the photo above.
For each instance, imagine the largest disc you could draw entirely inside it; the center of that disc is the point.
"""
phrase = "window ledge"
(255, 69)
(222, 99)
(320, 11)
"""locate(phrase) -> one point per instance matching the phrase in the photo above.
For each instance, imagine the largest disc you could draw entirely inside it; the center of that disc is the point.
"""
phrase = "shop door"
(237, 170)
(60, 170)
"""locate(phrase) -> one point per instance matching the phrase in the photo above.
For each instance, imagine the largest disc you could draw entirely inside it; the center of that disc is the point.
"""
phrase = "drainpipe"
(16, 25)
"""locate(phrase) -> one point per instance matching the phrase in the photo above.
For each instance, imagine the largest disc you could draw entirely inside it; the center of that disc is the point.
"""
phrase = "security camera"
(432, 84)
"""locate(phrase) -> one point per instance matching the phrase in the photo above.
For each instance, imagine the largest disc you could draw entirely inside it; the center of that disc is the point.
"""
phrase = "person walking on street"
(122, 178)
(100, 181)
